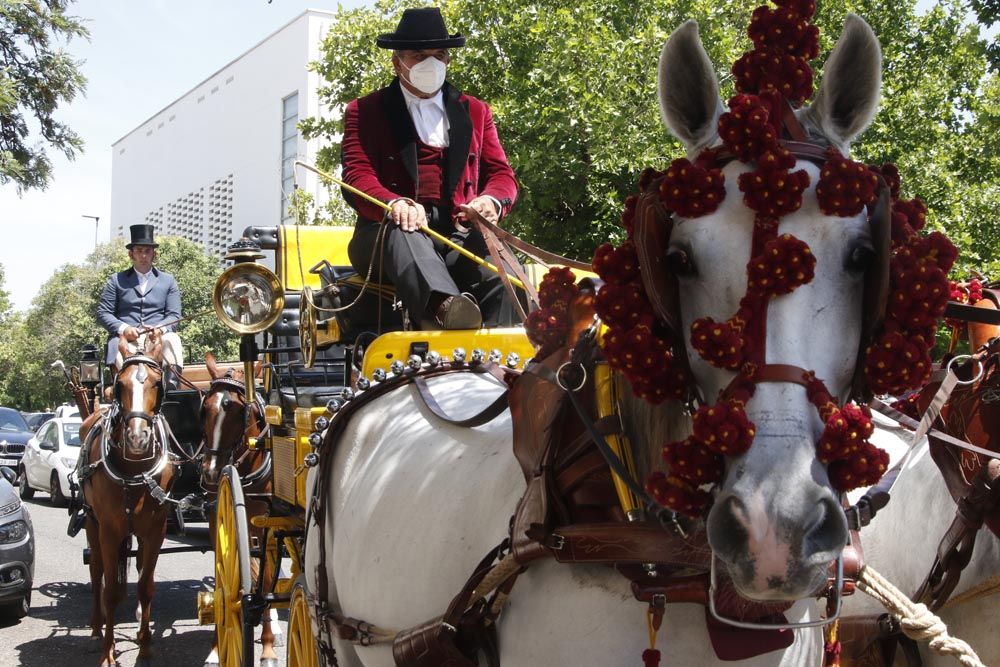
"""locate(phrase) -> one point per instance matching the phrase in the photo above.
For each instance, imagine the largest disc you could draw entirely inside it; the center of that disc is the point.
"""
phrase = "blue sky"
(142, 55)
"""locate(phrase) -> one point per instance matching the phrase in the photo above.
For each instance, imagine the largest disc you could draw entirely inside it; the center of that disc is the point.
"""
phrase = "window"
(289, 148)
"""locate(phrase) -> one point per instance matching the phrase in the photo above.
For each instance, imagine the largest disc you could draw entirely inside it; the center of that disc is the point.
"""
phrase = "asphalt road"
(56, 632)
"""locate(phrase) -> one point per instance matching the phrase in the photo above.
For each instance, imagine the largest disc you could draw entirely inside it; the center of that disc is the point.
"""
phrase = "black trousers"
(418, 266)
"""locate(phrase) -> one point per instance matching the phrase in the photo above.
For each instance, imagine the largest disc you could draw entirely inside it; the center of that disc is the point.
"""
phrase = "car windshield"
(71, 434)
(12, 421)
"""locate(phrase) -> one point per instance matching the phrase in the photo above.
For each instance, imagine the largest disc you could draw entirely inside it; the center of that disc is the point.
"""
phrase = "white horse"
(902, 540)
(415, 503)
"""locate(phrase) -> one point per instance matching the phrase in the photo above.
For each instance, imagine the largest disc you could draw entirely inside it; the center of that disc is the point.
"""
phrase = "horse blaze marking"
(217, 430)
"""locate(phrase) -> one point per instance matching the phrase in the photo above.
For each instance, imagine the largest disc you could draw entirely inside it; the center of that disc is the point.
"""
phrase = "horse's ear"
(852, 82)
(213, 371)
(154, 345)
(123, 348)
(689, 92)
(257, 368)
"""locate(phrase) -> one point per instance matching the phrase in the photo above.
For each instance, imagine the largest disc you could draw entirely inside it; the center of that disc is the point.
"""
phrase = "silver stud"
(477, 356)
(310, 460)
(315, 440)
(396, 368)
(347, 394)
(495, 356)
(513, 359)
(378, 375)
(333, 405)
(458, 355)
(414, 362)
(363, 383)
(433, 358)
(322, 423)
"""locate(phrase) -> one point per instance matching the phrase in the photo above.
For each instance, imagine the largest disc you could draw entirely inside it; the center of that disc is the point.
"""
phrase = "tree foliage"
(4, 298)
(36, 76)
(573, 90)
(62, 319)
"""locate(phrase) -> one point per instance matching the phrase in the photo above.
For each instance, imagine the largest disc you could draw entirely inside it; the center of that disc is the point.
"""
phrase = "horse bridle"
(117, 417)
(229, 383)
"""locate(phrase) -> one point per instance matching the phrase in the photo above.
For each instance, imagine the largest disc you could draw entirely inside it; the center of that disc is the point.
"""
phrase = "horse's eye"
(226, 401)
(680, 263)
(860, 258)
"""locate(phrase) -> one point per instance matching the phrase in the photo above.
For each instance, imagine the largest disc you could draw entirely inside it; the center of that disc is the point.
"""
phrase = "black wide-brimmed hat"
(420, 29)
(141, 235)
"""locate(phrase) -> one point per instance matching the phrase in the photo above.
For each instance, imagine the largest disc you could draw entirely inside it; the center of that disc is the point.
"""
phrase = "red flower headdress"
(773, 75)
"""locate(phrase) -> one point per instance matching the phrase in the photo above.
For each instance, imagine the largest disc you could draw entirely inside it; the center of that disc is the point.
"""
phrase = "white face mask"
(427, 76)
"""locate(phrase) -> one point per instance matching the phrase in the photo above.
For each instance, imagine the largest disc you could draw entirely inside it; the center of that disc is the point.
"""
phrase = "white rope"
(917, 621)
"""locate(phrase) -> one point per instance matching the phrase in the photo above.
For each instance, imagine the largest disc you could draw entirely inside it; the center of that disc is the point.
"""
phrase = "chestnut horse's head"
(138, 392)
(776, 521)
(225, 420)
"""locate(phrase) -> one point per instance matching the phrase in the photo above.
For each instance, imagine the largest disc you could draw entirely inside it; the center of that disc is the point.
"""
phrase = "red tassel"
(650, 658)
(831, 651)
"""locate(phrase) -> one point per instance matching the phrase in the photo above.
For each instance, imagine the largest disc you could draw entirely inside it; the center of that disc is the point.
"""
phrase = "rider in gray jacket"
(142, 297)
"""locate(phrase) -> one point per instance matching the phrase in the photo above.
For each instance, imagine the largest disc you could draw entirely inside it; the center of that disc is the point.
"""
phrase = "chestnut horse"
(226, 426)
(124, 484)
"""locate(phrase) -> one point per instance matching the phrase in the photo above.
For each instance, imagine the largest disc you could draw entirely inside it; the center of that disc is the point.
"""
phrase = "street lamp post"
(97, 221)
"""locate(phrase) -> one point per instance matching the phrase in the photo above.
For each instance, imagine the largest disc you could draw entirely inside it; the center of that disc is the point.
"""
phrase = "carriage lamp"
(90, 366)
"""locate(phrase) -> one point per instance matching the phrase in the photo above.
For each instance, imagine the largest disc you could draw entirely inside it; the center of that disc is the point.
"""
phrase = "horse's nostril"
(727, 529)
(828, 533)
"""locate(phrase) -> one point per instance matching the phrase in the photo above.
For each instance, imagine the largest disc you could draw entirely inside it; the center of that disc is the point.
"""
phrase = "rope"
(500, 573)
(916, 620)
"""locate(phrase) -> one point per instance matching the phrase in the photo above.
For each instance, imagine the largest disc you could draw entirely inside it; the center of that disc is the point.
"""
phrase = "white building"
(219, 158)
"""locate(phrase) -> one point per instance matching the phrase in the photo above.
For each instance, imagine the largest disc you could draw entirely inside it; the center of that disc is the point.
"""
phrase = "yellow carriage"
(320, 331)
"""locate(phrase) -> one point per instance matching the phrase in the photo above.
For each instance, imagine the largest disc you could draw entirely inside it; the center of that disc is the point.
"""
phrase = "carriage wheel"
(232, 574)
(301, 644)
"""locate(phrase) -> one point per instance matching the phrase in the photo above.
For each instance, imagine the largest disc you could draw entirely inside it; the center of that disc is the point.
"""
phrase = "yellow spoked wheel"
(301, 644)
(232, 573)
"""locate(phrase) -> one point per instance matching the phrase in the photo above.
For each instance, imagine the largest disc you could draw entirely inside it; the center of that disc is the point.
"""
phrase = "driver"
(142, 297)
(431, 153)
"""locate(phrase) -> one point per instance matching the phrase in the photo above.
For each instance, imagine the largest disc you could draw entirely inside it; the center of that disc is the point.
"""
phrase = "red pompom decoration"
(895, 363)
(786, 263)
(628, 215)
(746, 129)
(557, 289)
(773, 192)
(690, 190)
(718, 343)
(845, 431)
(724, 428)
(908, 217)
(547, 331)
(784, 30)
(624, 306)
(676, 494)
(890, 174)
(789, 75)
(845, 187)
(693, 462)
(616, 265)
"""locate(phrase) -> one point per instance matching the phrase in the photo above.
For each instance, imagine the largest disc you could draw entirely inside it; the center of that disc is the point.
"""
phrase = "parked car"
(50, 459)
(17, 550)
(67, 410)
(36, 419)
(14, 435)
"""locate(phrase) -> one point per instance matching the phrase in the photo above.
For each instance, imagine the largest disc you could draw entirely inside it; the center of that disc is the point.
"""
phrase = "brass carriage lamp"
(90, 366)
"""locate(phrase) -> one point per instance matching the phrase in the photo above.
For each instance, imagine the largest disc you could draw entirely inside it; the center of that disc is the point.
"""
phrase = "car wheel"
(56, 496)
(22, 484)
(18, 609)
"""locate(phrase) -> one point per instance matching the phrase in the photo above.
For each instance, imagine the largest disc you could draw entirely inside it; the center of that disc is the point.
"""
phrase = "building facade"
(220, 157)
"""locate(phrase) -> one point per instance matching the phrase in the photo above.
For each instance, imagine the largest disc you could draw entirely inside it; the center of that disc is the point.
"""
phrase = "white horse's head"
(777, 522)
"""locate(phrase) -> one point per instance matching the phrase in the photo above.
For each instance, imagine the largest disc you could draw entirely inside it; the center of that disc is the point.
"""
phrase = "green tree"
(5, 304)
(36, 76)
(573, 90)
(62, 319)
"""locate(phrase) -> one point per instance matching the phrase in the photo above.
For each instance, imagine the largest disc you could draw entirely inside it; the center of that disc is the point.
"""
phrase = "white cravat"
(144, 281)
(428, 117)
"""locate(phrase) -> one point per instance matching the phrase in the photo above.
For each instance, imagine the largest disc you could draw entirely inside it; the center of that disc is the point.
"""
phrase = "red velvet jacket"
(379, 151)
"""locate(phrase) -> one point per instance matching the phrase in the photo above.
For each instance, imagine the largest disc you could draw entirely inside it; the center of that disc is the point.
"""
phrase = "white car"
(50, 459)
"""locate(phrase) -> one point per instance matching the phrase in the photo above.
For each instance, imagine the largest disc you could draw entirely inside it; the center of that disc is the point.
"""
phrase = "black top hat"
(421, 28)
(141, 235)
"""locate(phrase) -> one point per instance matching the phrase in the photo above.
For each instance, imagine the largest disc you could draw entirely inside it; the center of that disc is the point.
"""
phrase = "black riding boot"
(171, 373)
